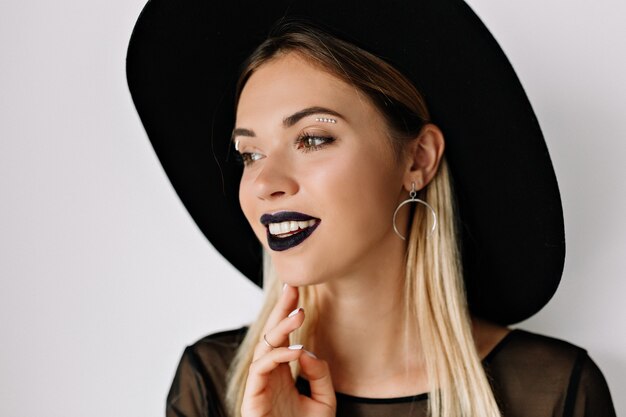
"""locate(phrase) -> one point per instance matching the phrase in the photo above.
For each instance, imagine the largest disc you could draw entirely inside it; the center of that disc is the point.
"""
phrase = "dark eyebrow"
(296, 117)
(242, 132)
(290, 120)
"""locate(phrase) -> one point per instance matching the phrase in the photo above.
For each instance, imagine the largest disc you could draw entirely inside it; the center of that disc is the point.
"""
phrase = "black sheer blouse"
(531, 375)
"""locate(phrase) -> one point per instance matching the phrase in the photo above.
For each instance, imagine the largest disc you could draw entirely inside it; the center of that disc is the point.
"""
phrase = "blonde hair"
(435, 299)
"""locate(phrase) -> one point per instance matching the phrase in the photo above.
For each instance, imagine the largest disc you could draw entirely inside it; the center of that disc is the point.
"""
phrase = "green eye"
(247, 158)
(308, 142)
(305, 143)
(315, 141)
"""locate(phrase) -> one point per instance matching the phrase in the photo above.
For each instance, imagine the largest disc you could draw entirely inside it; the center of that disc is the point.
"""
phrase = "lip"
(280, 244)
(283, 243)
(284, 216)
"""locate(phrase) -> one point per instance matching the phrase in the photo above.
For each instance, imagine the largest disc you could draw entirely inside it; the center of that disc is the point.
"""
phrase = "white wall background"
(104, 278)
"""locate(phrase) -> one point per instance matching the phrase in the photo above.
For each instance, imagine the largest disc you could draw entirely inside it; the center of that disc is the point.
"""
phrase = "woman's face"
(314, 145)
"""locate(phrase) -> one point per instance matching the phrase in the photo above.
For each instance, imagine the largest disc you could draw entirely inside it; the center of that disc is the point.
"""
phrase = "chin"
(297, 274)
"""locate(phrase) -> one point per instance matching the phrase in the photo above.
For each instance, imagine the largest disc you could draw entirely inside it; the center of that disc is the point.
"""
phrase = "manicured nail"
(294, 312)
(311, 354)
(295, 347)
(285, 286)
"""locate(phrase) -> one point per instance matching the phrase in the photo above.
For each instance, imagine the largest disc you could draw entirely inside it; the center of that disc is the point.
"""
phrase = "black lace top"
(532, 376)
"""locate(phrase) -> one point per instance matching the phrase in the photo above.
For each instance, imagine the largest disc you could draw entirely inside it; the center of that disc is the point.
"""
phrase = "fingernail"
(284, 286)
(294, 312)
(295, 347)
(311, 354)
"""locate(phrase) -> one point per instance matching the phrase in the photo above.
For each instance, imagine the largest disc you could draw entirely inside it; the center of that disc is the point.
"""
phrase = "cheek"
(357, 192)
(246, 201)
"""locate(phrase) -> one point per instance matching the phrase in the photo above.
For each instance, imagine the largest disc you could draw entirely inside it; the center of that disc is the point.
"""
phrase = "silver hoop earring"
(414, 199)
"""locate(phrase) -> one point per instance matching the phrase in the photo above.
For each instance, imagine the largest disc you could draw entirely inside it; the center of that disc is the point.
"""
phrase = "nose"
(275, 179)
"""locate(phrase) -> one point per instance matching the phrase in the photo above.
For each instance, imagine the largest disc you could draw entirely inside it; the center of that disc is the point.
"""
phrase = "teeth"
(291, 226)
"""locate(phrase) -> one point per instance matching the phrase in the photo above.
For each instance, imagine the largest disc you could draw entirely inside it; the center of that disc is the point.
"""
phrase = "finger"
(287, 301)
(261, 369)
(317, 372)
(279, 335)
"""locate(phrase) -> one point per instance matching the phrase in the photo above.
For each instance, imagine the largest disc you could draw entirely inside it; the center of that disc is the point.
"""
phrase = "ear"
(423, 157)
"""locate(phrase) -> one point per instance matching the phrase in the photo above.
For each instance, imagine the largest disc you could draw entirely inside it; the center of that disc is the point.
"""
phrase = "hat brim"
(183, 60)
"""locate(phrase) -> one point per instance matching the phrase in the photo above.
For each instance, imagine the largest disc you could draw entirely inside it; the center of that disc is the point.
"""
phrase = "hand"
(270, 389)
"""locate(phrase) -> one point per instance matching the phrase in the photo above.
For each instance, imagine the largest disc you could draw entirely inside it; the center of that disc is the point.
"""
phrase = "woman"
(347, 187)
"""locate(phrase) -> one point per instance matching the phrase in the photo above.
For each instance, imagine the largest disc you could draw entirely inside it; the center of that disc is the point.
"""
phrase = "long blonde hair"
(435, 298)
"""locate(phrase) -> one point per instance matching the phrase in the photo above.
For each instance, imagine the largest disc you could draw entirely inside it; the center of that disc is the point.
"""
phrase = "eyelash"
(244, 158)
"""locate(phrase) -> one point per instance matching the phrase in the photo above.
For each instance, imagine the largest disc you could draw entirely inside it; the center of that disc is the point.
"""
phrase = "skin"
(353, 184)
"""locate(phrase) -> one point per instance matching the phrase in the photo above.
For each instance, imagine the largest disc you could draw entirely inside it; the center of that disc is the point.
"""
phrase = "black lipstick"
(284, 243)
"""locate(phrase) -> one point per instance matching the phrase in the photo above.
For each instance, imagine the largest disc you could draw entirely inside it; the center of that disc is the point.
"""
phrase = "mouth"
(287, 229)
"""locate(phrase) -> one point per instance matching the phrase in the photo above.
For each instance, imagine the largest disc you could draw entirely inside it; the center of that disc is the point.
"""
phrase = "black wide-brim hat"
(183, 61)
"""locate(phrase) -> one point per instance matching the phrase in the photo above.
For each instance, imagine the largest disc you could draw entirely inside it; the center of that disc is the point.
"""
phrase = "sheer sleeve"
(188, 393)
(590, 396)
(199, 385)
(535, 375)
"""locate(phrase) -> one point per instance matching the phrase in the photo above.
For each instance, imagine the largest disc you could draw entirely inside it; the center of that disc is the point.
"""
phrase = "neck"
(363, 333)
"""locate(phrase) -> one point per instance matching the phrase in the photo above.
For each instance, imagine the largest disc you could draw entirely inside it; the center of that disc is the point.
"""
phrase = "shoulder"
(521, 347)
(211, 356)
(544, 376)
(199, 384)
(223, 344)
(528, 360)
